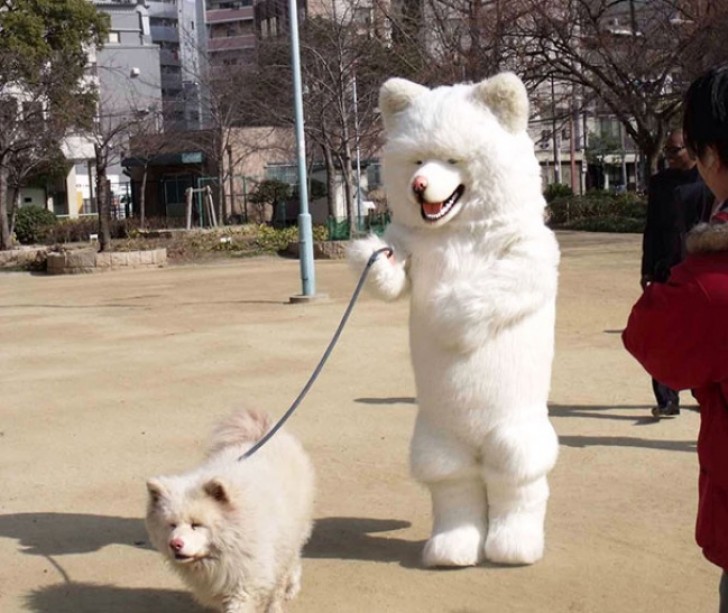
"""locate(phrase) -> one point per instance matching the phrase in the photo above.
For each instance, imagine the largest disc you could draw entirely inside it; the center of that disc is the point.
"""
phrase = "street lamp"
(305, 232)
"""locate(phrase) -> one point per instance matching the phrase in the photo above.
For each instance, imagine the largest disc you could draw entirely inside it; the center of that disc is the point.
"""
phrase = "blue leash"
(325, 357)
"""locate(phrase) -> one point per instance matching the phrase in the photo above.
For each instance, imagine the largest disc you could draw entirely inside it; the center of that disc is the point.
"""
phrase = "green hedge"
(603, 208)
(32, 224)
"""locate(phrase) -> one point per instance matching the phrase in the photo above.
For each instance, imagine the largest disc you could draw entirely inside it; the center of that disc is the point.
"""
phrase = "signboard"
(192, 157)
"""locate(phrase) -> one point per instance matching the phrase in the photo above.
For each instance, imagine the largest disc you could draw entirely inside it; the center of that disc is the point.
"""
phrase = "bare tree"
(632, 59)
(347, 51)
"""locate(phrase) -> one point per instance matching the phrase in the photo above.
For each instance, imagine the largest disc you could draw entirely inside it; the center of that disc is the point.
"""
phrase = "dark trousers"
(664, 394)
(724, 593)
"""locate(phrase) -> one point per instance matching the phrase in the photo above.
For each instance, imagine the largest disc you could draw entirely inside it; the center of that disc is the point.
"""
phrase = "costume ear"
(506, 96)
(217, 490)
(157, 491)
(396, 95)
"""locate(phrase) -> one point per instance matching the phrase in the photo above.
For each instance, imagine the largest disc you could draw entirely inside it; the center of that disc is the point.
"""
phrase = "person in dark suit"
(674, 204)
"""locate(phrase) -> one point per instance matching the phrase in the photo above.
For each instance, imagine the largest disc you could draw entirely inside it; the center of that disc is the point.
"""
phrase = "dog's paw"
(293, 583)
(515, 539)
(462, 546)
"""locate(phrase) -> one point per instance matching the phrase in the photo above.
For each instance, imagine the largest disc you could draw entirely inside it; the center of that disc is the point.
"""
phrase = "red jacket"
(679, 332)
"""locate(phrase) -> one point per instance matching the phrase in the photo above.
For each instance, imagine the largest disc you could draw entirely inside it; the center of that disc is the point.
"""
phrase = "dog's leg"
(293, 581)
(240, 603)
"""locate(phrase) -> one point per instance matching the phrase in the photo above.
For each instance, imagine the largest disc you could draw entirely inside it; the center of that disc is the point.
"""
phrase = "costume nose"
(419, 184)
(177, 544)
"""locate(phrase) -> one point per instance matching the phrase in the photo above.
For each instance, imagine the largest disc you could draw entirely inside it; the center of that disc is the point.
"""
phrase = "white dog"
(472, 252)
(234, 530)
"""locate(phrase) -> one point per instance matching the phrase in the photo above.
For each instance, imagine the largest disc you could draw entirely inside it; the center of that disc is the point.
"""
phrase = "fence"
(342, 228)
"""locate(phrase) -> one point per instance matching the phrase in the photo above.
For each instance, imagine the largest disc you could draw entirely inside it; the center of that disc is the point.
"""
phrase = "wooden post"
(188, 206)
(211, 206)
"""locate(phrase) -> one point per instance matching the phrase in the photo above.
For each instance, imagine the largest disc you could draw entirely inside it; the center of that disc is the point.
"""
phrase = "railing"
(226, 15)
(231, 42)
(341, 229)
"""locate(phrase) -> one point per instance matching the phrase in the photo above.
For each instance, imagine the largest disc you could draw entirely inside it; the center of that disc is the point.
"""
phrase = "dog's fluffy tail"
(245, 426)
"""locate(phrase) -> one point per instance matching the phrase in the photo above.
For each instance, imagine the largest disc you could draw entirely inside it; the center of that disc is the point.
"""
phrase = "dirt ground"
(109, 379)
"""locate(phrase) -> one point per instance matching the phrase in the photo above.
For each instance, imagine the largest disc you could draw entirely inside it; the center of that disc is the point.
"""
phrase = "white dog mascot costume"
(471, 249)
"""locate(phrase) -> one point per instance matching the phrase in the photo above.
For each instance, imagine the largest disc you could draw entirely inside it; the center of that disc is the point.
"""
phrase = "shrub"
(277, 239)
(566, 211)
(557, 190)
(609, 223)
(79, 230)
(32, 224)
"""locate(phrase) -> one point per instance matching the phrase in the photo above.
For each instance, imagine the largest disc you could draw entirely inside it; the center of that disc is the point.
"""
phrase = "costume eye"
(452, 162)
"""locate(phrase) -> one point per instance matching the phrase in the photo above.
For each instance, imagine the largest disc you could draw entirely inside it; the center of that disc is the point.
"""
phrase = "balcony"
(227, 43)
(164, 33)
(228, 15)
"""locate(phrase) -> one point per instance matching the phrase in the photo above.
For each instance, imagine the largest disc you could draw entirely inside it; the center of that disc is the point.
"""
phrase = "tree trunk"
(14, 204)
(143, 199)
(102, 201)
(5, 236)
(223, 213)
(330, 181)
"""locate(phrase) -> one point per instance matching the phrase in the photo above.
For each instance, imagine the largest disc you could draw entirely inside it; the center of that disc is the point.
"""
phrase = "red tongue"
(432, 208)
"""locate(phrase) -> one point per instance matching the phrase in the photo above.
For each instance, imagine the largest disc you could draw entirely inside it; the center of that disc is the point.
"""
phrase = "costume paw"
(387, 277)
(461, 546)
(516, 538)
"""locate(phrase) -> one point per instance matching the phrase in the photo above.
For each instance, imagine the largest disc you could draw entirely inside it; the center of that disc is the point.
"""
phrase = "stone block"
(103, 260)
(119, 259)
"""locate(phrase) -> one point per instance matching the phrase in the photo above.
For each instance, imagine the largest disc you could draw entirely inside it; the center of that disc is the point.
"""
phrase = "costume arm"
(518, 280)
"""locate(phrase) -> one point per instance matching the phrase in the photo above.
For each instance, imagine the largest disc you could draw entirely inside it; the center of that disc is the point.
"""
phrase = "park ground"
(111, 378)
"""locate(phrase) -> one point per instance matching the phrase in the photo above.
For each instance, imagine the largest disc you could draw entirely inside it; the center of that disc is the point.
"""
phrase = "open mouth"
(178, 557)
(435, 211)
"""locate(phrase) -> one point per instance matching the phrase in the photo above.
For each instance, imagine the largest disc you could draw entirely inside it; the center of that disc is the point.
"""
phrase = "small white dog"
(234, 530)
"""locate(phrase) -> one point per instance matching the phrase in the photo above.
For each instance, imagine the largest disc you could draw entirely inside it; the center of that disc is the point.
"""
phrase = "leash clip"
(373, 258)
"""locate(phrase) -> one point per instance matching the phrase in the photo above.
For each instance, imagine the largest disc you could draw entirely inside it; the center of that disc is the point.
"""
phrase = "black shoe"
(669, 410)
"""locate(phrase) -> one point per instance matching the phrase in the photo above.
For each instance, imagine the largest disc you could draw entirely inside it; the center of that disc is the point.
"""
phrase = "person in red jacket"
(694, 301)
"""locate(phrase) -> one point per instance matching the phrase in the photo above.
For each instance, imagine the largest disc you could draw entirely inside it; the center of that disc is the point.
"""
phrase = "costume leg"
(450, 471)
(516, 514)
(516, 459)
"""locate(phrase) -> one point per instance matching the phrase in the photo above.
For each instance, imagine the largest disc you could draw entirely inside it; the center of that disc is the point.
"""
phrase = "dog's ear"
(217, 490)
(156, 490)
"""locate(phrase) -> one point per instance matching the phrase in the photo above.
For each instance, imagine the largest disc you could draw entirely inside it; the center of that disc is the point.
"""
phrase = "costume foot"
(461, 546)
(515, 539)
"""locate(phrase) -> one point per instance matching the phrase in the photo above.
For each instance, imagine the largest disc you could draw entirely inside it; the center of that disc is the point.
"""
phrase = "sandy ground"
(108, 379)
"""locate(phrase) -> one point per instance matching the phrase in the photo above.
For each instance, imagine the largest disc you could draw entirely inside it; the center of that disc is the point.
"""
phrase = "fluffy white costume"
(472, 251)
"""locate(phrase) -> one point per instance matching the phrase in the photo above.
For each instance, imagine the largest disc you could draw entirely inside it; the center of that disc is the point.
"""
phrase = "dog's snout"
(177, 544)
(419, 184)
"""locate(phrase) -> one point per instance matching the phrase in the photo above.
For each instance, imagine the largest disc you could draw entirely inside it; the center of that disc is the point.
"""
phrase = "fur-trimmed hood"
(708, 238)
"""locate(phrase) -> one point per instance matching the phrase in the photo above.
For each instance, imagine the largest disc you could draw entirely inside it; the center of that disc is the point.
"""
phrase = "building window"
(112, 37)
(286, 173)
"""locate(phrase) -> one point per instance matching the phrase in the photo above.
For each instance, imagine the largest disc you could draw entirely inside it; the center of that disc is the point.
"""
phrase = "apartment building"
(126, 72)
(231, 33)
(178, 27)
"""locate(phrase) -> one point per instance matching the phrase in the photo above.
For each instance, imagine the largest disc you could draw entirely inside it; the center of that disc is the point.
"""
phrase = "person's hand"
(645, 280)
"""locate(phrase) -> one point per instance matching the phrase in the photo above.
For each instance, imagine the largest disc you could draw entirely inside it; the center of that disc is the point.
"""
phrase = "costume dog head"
(459, 155)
